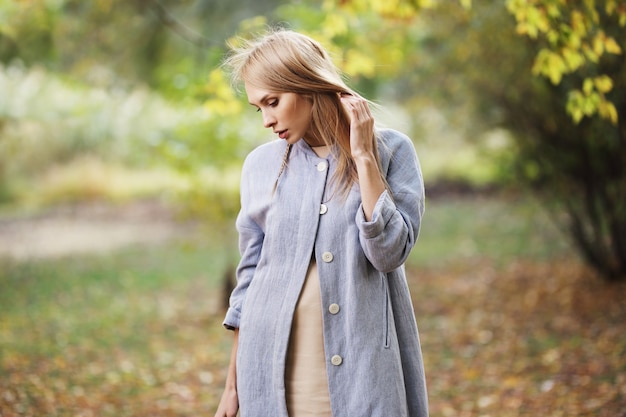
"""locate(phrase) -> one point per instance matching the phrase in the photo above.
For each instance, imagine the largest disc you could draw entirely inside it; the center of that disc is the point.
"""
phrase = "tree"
(549, 71)
(574, 38)
(552, 72)
(570, 151)
(582, 164)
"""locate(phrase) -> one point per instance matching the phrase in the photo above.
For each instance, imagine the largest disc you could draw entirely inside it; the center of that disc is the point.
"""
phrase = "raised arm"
(362, 147)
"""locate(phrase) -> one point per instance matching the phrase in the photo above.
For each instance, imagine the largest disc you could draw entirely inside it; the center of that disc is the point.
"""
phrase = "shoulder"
(393, 138)
(263, 155)
(392, 143)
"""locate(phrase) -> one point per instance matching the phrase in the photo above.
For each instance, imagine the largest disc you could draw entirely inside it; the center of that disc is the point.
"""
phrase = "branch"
(180, 28)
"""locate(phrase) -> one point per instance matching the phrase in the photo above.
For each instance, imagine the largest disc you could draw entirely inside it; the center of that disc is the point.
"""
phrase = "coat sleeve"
(388, 238)
(251, 238)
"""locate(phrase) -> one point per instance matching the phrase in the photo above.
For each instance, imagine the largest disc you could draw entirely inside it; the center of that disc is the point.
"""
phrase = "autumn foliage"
(524, 339)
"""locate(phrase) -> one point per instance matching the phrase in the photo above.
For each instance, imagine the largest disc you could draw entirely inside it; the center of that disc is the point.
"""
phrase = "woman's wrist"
(363, 158)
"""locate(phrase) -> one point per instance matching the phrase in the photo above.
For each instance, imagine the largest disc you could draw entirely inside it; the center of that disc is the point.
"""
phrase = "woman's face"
(287, 114)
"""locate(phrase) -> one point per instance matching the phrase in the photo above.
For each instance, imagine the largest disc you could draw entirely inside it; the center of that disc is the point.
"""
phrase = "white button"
(327, 257)
(323, 209)
(333, 308)
(336, 360)
(322, 166)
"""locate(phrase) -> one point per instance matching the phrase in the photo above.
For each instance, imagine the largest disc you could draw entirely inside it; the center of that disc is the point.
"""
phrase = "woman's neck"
(322, 151)
(315, 141)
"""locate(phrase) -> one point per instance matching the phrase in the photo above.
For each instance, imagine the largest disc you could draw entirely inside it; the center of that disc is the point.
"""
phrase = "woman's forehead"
(257, 94)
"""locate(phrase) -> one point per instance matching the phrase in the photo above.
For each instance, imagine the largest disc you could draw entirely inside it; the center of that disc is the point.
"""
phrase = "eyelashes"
(272, 103)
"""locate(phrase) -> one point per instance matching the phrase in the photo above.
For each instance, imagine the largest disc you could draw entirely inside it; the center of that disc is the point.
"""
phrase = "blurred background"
(121, 143)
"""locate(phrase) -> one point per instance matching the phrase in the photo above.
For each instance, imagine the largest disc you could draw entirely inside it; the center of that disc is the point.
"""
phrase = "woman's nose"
(268, 120)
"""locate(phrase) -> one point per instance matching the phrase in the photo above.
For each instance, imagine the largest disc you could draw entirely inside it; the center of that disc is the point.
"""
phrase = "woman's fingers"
(357, 107)
(361, 124)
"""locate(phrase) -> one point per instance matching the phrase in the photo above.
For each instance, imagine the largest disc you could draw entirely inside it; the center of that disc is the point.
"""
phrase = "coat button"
(336, 360)
(322, 166)
(323, 209)
(327, 257)
(333, 308)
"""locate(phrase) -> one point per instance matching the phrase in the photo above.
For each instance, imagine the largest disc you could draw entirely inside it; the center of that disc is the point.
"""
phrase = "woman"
(322, 316)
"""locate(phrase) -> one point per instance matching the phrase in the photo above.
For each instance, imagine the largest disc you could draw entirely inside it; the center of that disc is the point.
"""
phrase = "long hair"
(287, 61)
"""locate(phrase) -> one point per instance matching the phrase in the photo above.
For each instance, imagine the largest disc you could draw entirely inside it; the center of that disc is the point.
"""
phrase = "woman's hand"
(361, 125)
(362, 147)
(229, 404)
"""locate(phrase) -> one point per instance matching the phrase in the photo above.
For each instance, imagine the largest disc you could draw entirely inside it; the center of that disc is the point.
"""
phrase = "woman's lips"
(283, 134)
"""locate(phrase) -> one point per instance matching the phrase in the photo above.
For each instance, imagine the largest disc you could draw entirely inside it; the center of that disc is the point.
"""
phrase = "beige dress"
(305, 377)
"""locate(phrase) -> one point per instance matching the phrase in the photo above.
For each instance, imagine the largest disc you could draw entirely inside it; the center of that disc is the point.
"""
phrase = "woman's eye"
(273, 103)
(258, 110)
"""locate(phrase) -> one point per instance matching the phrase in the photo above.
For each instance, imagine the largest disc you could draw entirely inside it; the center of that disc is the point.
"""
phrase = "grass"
(91, 333)
(498, 298)
(502, 229)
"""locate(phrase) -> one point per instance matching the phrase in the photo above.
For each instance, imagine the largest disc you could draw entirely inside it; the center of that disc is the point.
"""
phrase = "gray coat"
(374, 360)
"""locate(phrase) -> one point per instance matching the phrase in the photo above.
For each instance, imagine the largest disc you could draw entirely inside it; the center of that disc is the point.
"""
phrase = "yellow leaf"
(603, 84)
(608, 111)
(610, 7)
(590, 104)
(428, 4)
(598, 45)
(588, 86)
(574, 105)
(357, 63)
(592, 12)
(573, 58)
(551, 65)
(522, 28)
(612, 46)
(511, 381)
(553, 10)
(553, 36)
(555, 69)
(577, 115)
(574, 41)
(471, 373)
(253, 24)
(334, 25)
(590, 54)
(537, 19)
(578, 24)
(222, 100)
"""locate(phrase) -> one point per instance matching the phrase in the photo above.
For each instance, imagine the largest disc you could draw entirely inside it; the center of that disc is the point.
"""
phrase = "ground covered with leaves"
(528, 339)
(138, 333)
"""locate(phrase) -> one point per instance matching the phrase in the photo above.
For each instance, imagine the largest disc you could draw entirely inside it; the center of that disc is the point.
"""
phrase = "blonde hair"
(287, 61)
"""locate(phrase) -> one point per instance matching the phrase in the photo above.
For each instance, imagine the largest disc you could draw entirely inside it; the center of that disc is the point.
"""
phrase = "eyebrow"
(262, 100)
